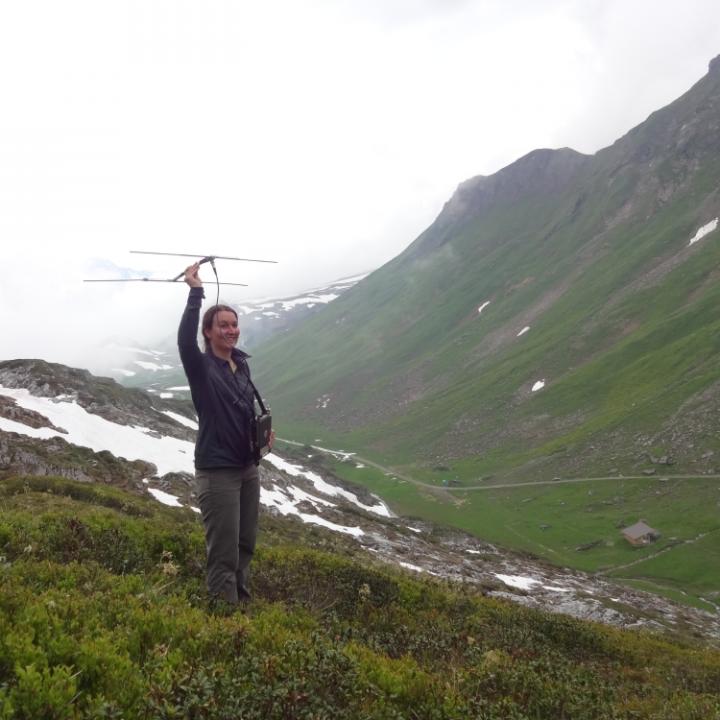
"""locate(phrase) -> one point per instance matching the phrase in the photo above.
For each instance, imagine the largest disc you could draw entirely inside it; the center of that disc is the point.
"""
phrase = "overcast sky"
(323, 134)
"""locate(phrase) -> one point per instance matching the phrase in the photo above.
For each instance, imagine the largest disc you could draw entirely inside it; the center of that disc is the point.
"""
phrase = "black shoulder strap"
(246, 373)
(257, 395)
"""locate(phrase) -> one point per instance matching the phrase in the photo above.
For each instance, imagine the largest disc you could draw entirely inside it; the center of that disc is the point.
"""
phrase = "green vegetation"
(592, 254)
(103, 615)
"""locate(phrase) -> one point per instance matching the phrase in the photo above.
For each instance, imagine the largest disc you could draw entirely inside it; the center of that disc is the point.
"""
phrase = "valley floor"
(574, 522)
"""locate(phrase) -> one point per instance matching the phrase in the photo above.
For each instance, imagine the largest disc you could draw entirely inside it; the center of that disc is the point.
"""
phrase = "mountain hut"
(640, 534)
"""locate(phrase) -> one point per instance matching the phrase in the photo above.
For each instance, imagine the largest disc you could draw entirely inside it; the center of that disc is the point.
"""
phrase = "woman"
(228, 484)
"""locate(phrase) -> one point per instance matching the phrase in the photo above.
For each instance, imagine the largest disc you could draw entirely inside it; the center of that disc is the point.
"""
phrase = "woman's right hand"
(192, 277)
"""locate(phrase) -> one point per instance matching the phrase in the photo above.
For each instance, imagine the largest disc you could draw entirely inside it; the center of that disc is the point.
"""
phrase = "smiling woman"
(220, 330)
(228, 483)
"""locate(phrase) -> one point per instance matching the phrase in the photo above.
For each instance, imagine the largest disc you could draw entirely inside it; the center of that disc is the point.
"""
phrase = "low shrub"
(103, 615)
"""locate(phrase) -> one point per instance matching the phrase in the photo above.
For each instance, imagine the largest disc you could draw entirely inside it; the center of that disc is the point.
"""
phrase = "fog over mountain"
(174, 128)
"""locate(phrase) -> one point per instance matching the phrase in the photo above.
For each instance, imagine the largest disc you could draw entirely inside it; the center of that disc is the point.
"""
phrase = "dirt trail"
(584, 479)
(442, 491)
(439, 491)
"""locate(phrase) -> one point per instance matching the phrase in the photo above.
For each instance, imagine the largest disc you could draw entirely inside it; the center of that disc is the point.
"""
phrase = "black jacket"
(224, 400)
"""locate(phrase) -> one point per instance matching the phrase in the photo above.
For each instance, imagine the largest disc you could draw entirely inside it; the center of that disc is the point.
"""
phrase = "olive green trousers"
(229, 502)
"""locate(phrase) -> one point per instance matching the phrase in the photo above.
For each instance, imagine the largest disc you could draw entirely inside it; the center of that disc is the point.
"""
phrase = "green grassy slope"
(103, 615)
(592, 254)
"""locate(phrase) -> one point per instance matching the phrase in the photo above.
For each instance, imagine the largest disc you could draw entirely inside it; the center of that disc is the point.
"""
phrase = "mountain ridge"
(555, 167)
(578, 255)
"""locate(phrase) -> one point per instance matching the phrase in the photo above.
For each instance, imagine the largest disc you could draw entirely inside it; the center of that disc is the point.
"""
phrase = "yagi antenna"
(144, 279)
(205, 259)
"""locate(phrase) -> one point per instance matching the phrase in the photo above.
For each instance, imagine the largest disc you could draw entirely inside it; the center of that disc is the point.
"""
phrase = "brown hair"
(209, 318)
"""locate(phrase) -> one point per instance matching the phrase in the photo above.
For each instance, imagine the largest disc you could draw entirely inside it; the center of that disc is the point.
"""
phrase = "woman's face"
(224, 332)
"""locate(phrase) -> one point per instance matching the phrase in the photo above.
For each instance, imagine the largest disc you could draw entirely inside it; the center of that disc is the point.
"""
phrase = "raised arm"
(190, 353)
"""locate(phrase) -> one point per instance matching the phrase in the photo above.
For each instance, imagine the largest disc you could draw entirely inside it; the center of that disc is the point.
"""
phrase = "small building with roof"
(640, 534)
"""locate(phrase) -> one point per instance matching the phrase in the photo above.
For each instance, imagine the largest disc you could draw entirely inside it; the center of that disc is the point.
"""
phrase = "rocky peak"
(540, 173)
(683, 133)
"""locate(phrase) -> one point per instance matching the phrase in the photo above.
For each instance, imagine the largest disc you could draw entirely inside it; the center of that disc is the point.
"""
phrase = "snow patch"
(704, 230)
(527, 583)
(126, 373)
(152, 353)
(523, 331)
(165, 498)
(278, 499)
(300, 495)
(152, 366)
(180, 418)
(325, 298)
(97, 433)
(483, 306)
(324, 487)
(539, 385)
(517, 581)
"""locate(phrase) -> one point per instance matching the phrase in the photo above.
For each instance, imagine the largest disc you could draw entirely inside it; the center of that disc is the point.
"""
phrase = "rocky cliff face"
(21, 455)
(102, 396)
